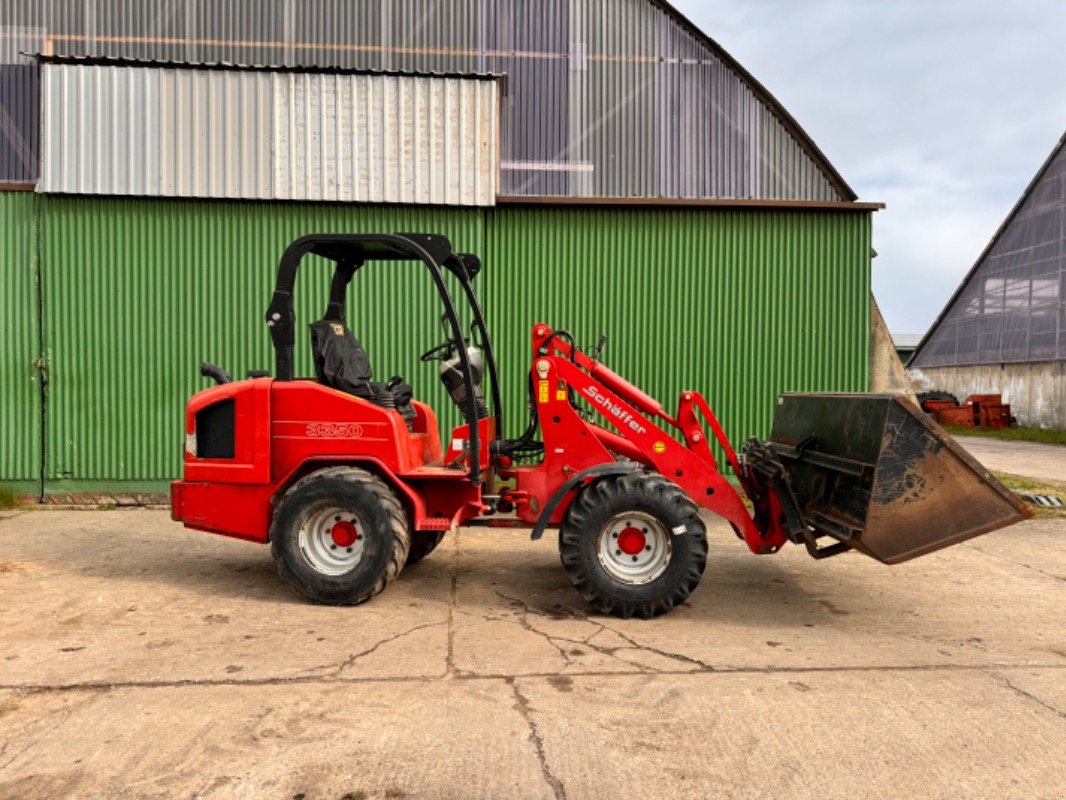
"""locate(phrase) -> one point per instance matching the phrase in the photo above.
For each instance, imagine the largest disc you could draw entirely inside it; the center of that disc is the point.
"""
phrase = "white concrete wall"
(1036, 391)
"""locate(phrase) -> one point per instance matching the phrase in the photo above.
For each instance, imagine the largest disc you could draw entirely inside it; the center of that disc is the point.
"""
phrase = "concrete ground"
(1032, 459)
(138, 659)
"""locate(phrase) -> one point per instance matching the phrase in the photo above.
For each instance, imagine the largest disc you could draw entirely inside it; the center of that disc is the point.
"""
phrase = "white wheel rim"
(634, 548)
(331, 540)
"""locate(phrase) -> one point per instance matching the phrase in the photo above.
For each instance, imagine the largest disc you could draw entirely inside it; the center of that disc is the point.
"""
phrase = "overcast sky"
(943, 109)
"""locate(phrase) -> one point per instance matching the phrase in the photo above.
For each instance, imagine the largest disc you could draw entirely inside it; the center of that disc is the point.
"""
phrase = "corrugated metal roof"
(19, 110)
(1011, 306)
(781, 114)
(230, 133)
(606, 98)
(19, 106)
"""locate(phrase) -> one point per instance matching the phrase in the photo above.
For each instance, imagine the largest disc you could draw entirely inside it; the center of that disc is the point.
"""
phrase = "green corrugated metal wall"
(20, 395)
(139, 292)
(739, 304)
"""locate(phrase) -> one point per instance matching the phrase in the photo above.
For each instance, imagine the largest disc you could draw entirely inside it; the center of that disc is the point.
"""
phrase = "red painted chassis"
(286, 429)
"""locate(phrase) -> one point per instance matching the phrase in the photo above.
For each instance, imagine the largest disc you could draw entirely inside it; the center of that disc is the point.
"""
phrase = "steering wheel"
(442, 352)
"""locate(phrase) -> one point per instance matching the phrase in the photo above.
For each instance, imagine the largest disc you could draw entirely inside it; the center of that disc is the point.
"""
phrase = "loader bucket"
(876, 473)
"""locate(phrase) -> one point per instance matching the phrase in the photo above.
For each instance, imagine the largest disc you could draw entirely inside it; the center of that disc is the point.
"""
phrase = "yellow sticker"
(659, 447)
(542, 391)
(560, 395)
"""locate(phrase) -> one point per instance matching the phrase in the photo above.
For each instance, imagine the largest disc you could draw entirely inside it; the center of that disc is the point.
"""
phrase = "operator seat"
(341, 363)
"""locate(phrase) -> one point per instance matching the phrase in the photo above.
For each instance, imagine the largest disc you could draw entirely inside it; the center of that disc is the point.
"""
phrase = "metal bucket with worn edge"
(875, 473)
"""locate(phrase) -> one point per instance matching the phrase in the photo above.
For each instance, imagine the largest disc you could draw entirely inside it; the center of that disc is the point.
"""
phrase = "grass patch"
(8, 498)
(1019, 483)
(1014, 434)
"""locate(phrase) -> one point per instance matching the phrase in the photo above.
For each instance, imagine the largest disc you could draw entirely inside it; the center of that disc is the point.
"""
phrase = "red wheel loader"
(347, 479)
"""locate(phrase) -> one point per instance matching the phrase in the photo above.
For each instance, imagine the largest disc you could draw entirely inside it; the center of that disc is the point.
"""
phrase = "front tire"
(339, 536)
(633, 545)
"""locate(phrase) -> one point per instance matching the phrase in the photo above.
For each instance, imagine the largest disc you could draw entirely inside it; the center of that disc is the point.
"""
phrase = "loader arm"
(840, 472)
(639, 430)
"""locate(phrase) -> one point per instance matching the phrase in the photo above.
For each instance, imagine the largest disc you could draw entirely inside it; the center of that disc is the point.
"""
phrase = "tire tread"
(612, 492)
(399, 537)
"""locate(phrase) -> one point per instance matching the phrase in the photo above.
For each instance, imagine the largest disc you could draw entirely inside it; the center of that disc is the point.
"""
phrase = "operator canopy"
(341, 362)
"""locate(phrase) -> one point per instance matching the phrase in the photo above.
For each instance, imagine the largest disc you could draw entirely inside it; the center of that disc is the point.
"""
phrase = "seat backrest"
(340, 361)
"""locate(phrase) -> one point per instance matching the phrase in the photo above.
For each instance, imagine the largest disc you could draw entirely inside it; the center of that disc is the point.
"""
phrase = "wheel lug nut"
(614, 535)
(336, 519)
(349, 549)
(644, 530)
(618, 552)
(333, 547)
(647, 547)
(634, 558)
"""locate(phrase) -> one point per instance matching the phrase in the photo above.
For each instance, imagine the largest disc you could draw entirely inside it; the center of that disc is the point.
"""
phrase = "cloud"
(943, 110)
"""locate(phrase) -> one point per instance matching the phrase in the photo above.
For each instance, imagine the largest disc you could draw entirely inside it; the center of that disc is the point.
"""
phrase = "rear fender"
(412, 502)
(421, 517)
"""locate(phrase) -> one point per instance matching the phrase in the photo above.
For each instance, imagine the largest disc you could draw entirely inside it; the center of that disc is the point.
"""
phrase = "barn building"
(1004, 329)
(617, 171)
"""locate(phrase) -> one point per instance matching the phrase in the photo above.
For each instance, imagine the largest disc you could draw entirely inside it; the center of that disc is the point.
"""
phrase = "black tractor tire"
(310, 559)
(923, 396)
(645, 507)
(422, 544)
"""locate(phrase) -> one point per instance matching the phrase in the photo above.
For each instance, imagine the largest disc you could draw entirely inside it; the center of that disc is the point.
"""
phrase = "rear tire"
(422, 544)
(339, 536)
(633, 545)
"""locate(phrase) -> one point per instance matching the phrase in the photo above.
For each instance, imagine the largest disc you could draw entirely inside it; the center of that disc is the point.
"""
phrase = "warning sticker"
(542, 391)
(659, 447)
(560, 395)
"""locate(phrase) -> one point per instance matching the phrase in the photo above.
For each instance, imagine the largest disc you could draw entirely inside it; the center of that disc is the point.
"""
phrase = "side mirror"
(472, 264)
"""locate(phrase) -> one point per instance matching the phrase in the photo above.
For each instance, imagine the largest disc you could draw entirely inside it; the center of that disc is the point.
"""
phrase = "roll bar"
(350, 252)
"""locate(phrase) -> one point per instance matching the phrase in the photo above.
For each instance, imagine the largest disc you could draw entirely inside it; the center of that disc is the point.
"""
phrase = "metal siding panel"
(283, 122)
(679, 281)
(741, 305)
(387, 137)
(187, 281)
(20, 407)
(169, 136)
(49, 120)
(220, 134)
(89, 134)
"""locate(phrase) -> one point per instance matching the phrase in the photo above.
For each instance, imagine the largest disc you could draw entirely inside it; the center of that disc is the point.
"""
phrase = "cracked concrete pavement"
(142, 660)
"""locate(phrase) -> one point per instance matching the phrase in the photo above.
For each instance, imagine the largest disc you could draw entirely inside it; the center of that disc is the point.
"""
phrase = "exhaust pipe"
(217, 373)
